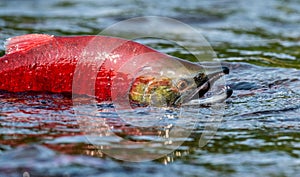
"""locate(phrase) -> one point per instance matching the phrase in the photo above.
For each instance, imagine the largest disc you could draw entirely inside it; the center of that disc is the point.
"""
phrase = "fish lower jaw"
(218, 98)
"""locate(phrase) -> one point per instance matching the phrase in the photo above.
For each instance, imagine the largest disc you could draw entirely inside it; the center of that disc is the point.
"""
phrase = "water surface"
(258, 134)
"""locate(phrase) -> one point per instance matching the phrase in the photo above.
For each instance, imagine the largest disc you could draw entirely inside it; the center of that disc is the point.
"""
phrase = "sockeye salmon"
(47, 63)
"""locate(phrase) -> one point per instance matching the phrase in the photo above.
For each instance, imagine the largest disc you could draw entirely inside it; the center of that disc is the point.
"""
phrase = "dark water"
(259, 134)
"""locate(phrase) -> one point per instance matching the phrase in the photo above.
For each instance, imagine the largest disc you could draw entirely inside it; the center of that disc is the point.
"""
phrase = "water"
(257, 136)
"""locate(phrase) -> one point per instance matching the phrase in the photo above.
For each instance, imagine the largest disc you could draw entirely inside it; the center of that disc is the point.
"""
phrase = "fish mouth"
(203, 86)
(217, 98)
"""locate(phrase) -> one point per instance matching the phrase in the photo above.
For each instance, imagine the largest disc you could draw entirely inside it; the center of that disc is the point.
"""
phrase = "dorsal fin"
(25, 42)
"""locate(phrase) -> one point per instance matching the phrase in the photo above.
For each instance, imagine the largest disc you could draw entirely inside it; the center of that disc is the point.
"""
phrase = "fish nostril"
(225, 70)
(200, 79)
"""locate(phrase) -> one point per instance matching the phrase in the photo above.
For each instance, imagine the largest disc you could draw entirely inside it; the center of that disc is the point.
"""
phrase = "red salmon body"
(39, 62)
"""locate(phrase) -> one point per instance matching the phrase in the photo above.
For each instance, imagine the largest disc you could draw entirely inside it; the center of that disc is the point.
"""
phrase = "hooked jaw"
(218, 98)
(204, 83)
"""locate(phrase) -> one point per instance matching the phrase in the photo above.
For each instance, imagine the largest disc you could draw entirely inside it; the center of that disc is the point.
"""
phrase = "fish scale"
(95, 66)
(49, 65)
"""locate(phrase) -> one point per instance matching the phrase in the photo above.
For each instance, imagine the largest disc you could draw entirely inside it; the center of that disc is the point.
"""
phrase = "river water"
(257, 135)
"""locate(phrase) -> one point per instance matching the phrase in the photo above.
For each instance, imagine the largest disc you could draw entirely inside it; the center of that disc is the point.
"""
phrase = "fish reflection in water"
(138, 131)
(147, 129)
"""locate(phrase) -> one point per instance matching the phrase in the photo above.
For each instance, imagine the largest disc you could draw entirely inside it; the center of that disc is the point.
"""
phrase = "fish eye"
(182, 84)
